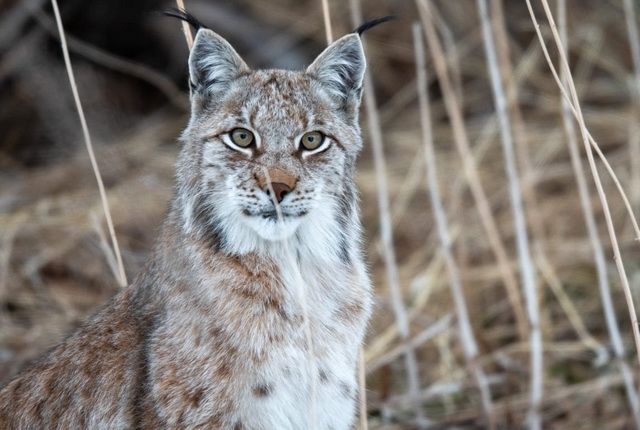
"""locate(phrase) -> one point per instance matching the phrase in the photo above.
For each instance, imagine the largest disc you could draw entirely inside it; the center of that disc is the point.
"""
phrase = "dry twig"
(185, 26)
(122, 277)
(326, 14)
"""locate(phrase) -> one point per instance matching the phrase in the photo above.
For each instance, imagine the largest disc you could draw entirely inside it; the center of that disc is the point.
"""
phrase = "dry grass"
(53, 270)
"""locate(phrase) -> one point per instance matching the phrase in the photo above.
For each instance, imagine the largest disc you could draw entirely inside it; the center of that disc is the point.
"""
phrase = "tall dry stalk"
(634, 127)
(185, 26)
(326, 14)
(451, 52)
(454, 111)
(386, 230)
(592, 232)
(588, 142)
(521, 140)
(527, 270)
(121, 275)
(467, 337)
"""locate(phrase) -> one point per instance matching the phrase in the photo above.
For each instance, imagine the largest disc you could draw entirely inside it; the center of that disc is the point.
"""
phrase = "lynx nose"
(279, 190)
(281, 182)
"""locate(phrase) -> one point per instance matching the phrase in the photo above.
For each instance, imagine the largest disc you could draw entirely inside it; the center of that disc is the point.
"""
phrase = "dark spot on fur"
(223, 371)
(276, 305)
(345, 207)
(196, 397)
(324, 378)
(273, 81)
(262, 390)
(142, 413)
(208, 225)
(350, 311)
(346, 390)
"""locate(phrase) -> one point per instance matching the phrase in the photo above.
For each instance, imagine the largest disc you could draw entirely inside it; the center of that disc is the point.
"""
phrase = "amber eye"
(312, 140)
(242, 137)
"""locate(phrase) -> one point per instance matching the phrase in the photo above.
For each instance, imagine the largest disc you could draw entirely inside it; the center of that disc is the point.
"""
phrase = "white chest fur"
(309, 382)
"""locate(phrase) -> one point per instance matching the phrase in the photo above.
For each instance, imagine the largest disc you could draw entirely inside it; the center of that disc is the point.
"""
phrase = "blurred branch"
(12, 22)
(418, 340)
(527, 269)
(383, 340)
(119, 64)
(573, 315)
(520, 138)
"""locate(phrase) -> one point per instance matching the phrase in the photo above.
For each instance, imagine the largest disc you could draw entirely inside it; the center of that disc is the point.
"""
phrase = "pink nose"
(279, 190)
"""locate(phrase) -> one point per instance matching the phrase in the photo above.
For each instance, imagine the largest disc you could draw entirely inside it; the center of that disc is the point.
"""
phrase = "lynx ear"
(213, 63)
(340, 69)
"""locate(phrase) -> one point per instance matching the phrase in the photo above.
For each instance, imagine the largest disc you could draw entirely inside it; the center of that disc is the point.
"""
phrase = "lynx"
(252, 308)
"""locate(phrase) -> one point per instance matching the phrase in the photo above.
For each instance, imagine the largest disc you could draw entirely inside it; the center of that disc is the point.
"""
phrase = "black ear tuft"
(372, 23)
(183, 15)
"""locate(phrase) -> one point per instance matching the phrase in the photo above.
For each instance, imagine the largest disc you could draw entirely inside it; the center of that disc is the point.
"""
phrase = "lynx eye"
(242, 137)
(312, 140)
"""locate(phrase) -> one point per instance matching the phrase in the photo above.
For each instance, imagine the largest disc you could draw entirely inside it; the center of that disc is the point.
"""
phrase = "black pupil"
(243, 136)
(310, 138)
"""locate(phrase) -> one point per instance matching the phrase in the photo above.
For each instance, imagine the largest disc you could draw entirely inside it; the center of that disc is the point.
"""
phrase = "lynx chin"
(259, 254)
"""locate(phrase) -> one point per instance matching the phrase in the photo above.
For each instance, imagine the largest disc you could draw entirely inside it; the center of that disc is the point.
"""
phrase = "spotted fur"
(213, 333)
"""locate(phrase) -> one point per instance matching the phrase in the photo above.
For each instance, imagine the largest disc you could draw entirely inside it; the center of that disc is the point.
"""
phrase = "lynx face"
(268, 152)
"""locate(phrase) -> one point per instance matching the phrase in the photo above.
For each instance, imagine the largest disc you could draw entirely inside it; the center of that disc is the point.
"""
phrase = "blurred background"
(130, 66)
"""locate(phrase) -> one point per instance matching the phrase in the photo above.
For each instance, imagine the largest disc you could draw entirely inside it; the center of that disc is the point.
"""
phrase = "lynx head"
(269, 155)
